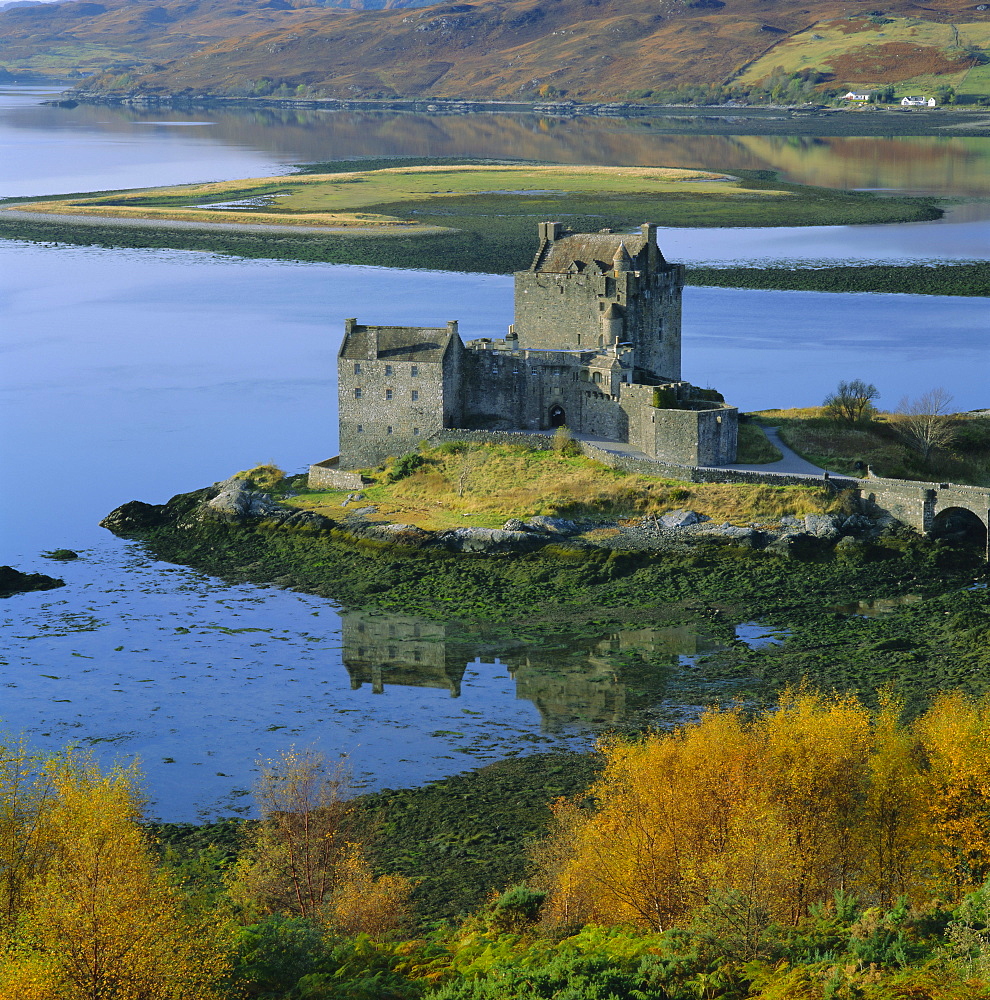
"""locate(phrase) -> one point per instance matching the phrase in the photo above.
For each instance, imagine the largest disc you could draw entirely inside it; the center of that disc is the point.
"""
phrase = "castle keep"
(595, 346)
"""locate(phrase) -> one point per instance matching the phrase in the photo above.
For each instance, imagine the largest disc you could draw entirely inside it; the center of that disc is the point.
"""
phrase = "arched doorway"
(557, 417)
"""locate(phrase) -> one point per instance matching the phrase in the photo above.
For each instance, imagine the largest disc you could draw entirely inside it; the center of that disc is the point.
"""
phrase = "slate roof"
(588, 250)
(398, 343)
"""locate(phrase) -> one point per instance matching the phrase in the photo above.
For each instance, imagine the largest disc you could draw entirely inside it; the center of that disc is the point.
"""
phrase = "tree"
(852, 402)
(926, 422)
(98, 919)
(307, 858)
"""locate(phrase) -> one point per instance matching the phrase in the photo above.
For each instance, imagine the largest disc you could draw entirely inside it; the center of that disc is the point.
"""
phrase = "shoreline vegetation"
(821, 849)
(734, 118)
(426, 213)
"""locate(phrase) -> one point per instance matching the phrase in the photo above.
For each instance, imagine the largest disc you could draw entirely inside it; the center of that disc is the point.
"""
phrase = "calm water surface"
(139, 374)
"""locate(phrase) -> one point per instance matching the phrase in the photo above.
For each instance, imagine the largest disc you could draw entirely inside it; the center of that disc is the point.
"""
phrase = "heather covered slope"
(580, 49)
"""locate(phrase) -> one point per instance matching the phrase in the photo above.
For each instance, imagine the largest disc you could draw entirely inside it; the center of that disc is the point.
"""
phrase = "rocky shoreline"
(234, 502)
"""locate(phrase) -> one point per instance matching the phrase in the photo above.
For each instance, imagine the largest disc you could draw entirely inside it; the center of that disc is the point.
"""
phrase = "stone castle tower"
(588, 291)
(595, 346)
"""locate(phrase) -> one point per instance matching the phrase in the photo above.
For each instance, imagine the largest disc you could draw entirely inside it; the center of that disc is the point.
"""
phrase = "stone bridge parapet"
(920, 504)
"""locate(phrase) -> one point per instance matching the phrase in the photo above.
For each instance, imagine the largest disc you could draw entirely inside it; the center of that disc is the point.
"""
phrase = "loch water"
(138, 374)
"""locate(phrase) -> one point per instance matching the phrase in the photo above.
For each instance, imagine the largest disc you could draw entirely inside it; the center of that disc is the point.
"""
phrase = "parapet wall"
(328, 476)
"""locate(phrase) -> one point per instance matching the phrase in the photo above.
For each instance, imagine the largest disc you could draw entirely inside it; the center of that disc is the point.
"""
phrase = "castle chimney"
(371, 337)
(452, 327)
(550, 231)
(621, 261)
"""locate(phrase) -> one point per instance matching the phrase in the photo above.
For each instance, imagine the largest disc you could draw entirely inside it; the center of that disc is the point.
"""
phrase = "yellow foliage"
(955, 734)
(363, 904)
(97, 919)
(817, 797)
(306, 858)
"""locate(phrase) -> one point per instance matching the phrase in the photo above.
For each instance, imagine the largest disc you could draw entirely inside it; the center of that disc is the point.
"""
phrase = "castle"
(595, 346)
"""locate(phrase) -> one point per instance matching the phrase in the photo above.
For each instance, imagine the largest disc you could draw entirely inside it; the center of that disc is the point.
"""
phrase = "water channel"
(139, 374)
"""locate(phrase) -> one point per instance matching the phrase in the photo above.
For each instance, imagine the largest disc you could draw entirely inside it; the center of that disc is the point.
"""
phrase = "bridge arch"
(934, 508)
(960, 522)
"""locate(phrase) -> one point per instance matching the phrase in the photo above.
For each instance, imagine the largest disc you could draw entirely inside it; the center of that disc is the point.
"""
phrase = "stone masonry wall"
(566, 311)
(329, 476)
(387, 406)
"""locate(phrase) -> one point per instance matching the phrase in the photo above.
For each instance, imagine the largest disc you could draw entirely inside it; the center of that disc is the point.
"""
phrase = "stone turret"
(584, 289)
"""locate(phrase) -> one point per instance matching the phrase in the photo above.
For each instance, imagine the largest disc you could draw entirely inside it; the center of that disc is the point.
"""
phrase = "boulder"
(728, 531)
(489, 540)
(403, 534)
(134, 516)
(309, 519)
(822, 526)
(236, 501)
(680, 519)
(551, 525)
(13, 581)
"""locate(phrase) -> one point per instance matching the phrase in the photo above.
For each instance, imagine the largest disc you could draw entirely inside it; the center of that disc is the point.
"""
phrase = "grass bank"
(440, 487)
(910, 279)
(883, 444)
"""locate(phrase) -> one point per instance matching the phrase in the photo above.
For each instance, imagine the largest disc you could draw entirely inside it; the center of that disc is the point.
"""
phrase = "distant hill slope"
(581, 49)
(86, 36)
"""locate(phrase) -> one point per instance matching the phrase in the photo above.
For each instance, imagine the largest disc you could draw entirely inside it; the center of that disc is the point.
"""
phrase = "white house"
(857, 97)
(921, 102)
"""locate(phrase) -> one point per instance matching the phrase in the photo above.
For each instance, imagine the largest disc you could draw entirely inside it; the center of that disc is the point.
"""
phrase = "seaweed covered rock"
(13, 581)
(137, 517)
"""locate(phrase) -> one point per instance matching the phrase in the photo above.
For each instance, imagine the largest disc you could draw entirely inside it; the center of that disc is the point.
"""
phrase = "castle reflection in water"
(596, 683)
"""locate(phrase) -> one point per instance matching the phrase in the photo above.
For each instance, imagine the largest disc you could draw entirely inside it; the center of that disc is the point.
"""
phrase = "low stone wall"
(642, 466)
(328, 476)
(540, 442)
(836, 483)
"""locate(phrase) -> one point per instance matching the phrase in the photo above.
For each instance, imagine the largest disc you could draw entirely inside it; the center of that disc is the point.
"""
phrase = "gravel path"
(792, 464)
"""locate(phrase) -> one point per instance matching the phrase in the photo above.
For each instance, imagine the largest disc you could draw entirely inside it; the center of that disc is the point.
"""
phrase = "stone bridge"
(929, 507)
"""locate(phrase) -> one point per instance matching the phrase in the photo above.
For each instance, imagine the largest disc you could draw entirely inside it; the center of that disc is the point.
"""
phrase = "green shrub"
(263, 477)
(564, 443)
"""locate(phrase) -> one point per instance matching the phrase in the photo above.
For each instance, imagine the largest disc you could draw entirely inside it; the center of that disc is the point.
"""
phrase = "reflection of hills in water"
(924, 163)
(599, 683)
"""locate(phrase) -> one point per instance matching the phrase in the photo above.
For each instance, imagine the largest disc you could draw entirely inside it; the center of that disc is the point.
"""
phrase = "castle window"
(388, 369)
(393, 652)
(357, 367)
(415, 430)
(415, 395)
(388, 430)
(417, 655)
(388, 393)
(414, 371)
(357, 393)
(596, 377)
(360, 428)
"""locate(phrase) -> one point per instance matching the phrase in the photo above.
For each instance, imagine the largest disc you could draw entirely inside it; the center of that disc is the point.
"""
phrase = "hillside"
(529, 49)
(83, 37)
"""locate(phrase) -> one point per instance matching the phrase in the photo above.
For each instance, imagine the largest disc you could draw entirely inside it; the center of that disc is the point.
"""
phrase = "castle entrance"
(557, 418)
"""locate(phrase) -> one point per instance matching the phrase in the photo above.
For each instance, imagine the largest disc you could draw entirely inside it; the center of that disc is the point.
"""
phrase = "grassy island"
(479, 216)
